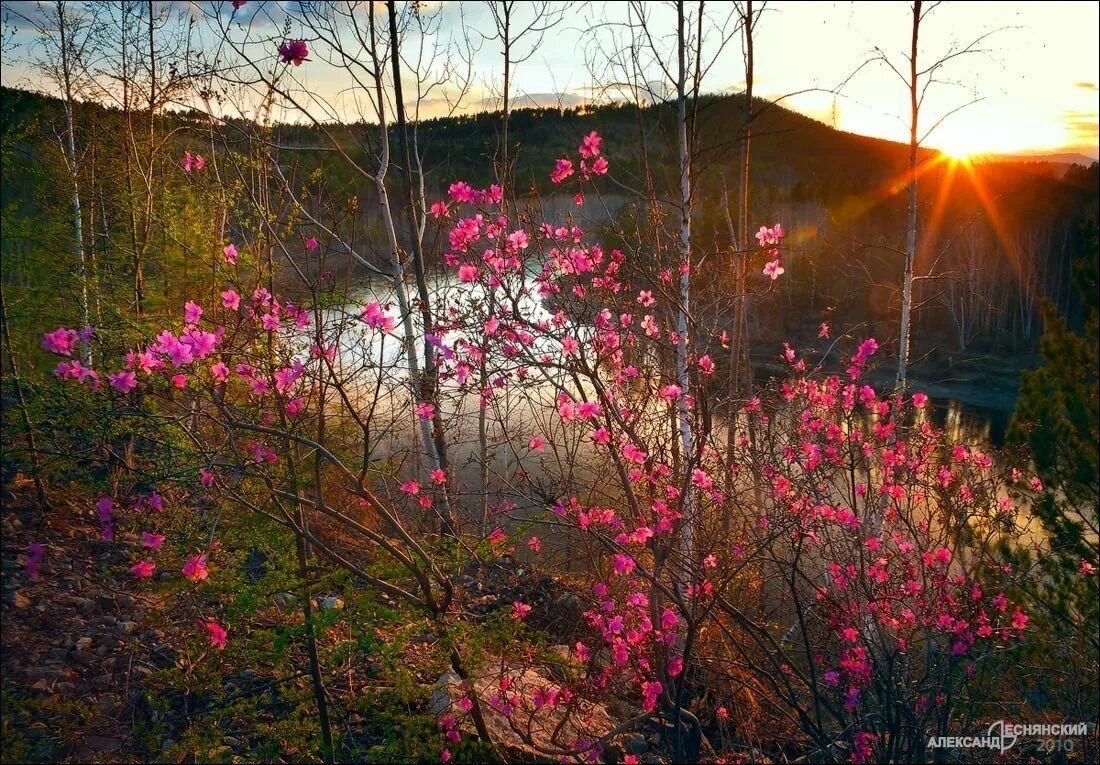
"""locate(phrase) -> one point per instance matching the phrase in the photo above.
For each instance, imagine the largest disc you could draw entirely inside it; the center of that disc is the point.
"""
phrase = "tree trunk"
(71, 162)
(911, 225)
(429, 381)
(686, 437)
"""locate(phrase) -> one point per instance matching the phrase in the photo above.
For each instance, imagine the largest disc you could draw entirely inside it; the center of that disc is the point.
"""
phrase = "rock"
(84, 658)
(284, 600)
(103, 743)
(549, 727)
(128, 628)
(332, 604)
(441, 700)
(634, 743)
(255, 566)
(84, 643)
(124, 601)
(19, 600)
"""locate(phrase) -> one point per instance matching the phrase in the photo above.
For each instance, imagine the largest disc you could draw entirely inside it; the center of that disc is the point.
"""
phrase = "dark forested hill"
(995, 238)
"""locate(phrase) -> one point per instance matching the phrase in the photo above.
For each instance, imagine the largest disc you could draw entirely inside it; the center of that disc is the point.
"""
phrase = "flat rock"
(548, 727)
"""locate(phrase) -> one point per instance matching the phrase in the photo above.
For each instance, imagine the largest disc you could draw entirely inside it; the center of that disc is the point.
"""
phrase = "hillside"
(1001, 233)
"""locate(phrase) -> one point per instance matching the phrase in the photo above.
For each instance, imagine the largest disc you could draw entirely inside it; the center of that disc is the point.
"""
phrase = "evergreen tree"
(1056, 419)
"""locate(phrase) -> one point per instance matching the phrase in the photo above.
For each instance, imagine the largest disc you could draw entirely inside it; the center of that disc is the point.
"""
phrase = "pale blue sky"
(1036, 77)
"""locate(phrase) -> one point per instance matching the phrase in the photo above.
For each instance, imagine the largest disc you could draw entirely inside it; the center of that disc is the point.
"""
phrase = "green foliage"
(1058, 420)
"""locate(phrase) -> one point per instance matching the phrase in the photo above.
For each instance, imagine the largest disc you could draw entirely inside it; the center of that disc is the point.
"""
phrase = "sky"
(1030, 87)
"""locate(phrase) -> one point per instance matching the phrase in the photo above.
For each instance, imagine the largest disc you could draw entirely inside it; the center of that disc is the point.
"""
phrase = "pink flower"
(520, 611)
(231, 300)
(769, 236)
(1086, 568)
(61, 341)
(286, 378)
(824, 330)
(36, 551)
(671, 392)
(376, 317)
(199, 162)
(651, 691)
(230, 252)
(217, 634)
(675, 666)
(563, 168)
(467, 273)
(706, 365)
(188, 162)
(534, 544)
(460, 191)
(104, 509)
(774, 270)
(440, 210)
(151, 540)
(206, 478)
(219, 371)
(195, 568)
(536, 443)
(124, 382)
(312, 243)
(439, 475)
(294, 52)
(920, 400)
(425, 410)
(623, 564)
(412, 488)
(497, 536)
(143, 569)
(598, 167)
(590, 145)
(238, 3)
(1019, 620)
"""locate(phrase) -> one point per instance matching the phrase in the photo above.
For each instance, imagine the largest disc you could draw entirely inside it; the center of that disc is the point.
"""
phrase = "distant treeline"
(995, 239)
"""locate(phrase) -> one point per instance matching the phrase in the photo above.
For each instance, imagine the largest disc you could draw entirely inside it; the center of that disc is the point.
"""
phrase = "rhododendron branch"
(304, 211)
(356, 488)
(387, 587)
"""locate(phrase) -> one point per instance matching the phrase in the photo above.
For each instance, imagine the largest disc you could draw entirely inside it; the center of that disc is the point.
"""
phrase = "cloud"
(1086, 86)
(1081, 127)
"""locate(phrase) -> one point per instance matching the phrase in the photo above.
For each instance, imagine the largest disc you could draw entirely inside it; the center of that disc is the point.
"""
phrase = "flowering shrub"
(836, 557)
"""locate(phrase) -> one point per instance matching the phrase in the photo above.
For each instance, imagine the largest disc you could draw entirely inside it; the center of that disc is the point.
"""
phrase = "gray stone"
(634, 743)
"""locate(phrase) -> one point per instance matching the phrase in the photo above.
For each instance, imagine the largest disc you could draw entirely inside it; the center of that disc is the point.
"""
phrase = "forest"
(676, 426)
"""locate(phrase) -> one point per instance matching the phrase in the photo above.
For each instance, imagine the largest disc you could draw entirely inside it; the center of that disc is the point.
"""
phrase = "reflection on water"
(365, 355)
(964, 423)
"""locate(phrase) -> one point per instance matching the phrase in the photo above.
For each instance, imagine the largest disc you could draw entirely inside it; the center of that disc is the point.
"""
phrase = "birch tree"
(66, 37)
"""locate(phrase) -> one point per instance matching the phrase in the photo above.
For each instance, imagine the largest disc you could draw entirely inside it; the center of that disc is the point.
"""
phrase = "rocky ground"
(98, 668)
